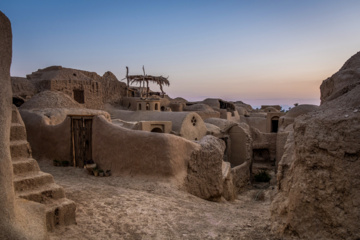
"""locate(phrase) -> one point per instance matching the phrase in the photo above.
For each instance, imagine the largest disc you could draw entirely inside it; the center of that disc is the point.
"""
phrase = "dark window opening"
(147, 106)
(74, 74)
(139, 106)
(79, 96)
(228, 106)
(156, 106)
(157, 130)
(162, 108)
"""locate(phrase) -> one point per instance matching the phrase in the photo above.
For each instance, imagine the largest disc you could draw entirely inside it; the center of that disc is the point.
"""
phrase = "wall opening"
(274, 124)
(147, 106)
(157, 130)
(79, 96)
(139, 106)
(156, 106)
(261, 155)
(18, 101)
(162, 108)
(193, 121)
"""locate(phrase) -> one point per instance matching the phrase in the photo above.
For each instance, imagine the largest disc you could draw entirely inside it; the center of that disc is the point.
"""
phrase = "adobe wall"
(241, 145)
(264, 141)
(182, 122)
(149, 126)
(281, 139)
(7, 211)
(206, 115)
(19, 219)
(49, 131)
(130, 103)
(257, 122)
(241, 176)
(22, 87)
(231, 116)
(112, 89)
(148, 105)
(48, 141)
(269, 117)
(131, 152)
(92, 91)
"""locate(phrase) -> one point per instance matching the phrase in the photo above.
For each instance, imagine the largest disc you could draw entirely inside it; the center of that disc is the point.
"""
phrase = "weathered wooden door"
(81, 130)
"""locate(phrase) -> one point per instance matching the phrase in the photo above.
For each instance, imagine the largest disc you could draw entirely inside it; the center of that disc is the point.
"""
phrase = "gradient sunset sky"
(260, 52)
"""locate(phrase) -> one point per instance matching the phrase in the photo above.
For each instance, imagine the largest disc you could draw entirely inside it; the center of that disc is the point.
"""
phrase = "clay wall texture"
(318, 190)
(7, 207)
(241, 145)
(93, 98)
(257, 122)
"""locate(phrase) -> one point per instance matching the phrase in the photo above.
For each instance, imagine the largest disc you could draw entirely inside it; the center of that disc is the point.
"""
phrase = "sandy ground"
(139, 208)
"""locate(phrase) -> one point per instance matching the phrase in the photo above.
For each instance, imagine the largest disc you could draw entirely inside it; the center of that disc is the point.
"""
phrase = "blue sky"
(260, 52)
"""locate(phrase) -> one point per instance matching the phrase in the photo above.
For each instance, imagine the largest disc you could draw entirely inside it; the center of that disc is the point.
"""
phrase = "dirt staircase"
(32, 184)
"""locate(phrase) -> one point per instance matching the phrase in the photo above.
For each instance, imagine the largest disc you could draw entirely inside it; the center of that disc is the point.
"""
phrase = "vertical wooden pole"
(127, 79)
(73, 142)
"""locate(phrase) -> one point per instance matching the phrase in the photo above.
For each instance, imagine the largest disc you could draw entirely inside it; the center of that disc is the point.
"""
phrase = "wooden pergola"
(142, 79)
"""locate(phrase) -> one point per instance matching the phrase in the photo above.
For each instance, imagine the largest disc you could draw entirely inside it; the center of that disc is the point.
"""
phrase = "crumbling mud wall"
(204, 173)
(319, 174)
(19, 219)
(113, 89)
(88, 88)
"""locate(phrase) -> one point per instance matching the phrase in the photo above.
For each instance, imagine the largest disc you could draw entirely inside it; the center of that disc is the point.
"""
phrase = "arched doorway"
(157, 130)
(274, 124)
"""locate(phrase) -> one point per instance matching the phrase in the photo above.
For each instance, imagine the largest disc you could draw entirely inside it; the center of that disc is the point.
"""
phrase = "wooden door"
(81, 140)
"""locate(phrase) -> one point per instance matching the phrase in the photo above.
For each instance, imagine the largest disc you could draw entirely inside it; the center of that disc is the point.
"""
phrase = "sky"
(259, 52)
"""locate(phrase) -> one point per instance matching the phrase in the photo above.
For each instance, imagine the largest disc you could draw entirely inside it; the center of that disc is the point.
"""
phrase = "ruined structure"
(318, 175)
(86, 88)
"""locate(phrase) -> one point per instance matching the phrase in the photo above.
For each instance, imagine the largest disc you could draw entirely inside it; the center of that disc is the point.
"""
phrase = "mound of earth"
(198, 107)
(51, 99)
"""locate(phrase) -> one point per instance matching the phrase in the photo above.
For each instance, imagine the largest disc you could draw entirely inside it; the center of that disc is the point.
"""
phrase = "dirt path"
(135, 208)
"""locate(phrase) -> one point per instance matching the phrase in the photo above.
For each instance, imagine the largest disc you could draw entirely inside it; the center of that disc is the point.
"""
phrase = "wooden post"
(147, 83)
(127, 79)
(73, 142)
